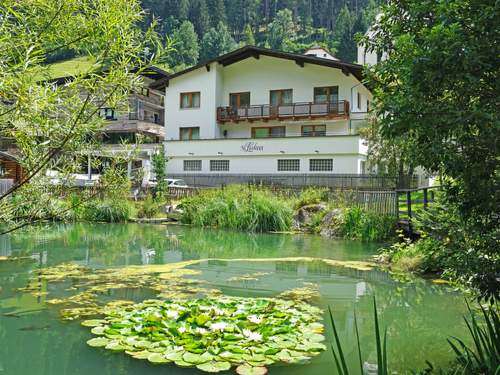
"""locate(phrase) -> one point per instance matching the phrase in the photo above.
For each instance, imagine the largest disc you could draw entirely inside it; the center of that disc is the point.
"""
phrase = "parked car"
(171, 182)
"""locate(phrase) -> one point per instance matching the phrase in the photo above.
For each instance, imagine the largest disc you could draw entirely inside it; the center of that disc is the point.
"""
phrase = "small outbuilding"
(10, 168)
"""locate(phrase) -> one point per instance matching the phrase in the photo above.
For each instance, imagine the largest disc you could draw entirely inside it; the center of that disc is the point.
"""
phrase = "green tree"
(344, 34)
(217, 10)
(159, 163)
(199, 16)
(281, 30)
(216, 42)
(248, 37)
(185, 45)
(54, 127)
(439, 87)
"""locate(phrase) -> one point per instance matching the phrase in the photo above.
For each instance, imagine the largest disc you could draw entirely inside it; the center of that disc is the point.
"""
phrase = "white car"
(171, 182)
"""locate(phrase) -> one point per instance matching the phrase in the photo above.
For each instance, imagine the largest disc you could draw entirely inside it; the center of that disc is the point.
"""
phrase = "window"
(219, 165)
(107, 113)
(328, 94)
(281, 97)
(190, 100)
(359, 100)
(188, 134)
(362, 167)
(313, 130)
(321, 165)
(144, 91)
(288, 165)
(268, 132)
(239, 99)
(192, 165)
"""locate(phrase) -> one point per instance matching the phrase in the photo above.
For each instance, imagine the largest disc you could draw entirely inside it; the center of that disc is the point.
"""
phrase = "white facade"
(234, 140)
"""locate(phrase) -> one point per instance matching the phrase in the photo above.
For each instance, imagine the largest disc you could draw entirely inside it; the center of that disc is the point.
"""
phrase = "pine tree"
(216, 42)
(198, 15)
(217, 11)
(344, 35)
(186, 47)
(248, 37)
(281, 30)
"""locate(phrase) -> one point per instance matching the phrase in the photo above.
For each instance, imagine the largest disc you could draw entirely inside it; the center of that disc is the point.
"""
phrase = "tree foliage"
(290, 25)
(438, 91)
(217, 41)
(54, 126)
(185, 47)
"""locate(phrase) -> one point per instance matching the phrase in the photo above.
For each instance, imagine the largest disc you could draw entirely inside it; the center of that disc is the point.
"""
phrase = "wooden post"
(408, 203)
(426, 201)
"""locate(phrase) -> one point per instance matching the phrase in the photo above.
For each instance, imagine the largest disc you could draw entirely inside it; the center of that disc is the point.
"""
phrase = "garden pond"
(66, 274)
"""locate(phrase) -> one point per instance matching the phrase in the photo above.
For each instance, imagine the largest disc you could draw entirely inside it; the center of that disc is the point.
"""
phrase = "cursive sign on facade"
(251, 147)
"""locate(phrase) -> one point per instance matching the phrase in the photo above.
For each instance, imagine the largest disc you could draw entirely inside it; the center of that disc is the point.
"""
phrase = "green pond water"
(419, 315)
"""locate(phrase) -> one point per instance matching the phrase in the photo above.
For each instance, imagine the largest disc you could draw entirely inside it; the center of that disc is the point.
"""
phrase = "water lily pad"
(99, 330)
(115, 346)
(197, 358)
(174, 356)
(157, 358)
(98, 342)
(92, 322)
(214, 333)
(250, 370)
(214, 366)
(183, 364)
(139, 355)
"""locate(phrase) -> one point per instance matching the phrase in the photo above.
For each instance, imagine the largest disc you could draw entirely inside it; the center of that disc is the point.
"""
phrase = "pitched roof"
(252, 51)
(7, 156)
(152, 72)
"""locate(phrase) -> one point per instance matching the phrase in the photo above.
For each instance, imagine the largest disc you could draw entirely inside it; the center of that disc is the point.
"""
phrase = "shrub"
(148, 208)
(238, 207)
(451, 247)
(366, 226)
(311, 196)
(110, 211)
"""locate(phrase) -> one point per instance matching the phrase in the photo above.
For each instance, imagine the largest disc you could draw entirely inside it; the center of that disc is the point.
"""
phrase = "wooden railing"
(283, 111)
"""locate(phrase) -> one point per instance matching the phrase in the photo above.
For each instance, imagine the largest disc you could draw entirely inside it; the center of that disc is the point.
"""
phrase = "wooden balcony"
(294, 111)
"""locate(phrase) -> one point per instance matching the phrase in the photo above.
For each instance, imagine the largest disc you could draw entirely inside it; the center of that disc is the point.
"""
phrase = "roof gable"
(255, 52)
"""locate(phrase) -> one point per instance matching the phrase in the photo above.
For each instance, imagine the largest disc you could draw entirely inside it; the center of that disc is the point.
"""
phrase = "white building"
(257, 111)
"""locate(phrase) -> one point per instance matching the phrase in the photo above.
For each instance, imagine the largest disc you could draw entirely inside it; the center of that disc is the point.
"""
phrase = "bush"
(148, 208)
(363, 225)
(311, 196)
(109, 211)
(453, 248)
(238, 207)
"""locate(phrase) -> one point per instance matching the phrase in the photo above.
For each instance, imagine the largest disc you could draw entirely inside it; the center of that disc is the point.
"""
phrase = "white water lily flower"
(172, 314)
(255, 319)
(252, 336)
(200, 330)
(218, 311)
(218, 326)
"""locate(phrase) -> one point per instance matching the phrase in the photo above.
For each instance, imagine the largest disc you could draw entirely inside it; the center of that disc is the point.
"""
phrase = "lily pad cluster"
(213, 334)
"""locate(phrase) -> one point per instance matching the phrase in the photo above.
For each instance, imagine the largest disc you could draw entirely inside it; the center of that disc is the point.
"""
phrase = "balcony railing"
(141, 117)
(283, 111)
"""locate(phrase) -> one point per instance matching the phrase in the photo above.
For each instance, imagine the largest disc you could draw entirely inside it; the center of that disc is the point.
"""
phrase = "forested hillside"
(202, 29)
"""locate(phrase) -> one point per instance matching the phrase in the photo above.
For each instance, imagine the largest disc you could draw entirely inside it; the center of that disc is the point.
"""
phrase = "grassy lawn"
(69, 67)
(417, 204)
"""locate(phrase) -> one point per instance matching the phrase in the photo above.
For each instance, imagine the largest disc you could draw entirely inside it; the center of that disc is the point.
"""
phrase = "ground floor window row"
(283, 165)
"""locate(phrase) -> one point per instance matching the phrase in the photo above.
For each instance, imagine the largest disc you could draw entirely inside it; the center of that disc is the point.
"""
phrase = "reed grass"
(238, 207)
